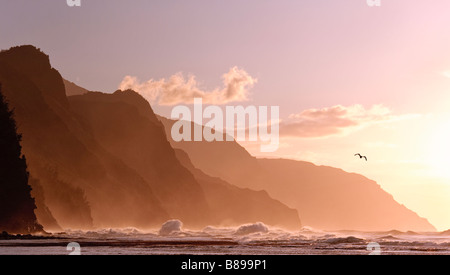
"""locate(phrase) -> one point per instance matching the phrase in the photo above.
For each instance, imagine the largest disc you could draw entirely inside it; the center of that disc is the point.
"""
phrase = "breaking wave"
(170, 227)
(252, 228)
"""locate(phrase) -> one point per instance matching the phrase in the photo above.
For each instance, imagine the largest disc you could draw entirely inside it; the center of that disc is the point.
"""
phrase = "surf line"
(235, 122)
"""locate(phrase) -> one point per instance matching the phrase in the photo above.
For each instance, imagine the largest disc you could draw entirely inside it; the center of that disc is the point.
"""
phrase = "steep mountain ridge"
(325, 197)
(103, 160)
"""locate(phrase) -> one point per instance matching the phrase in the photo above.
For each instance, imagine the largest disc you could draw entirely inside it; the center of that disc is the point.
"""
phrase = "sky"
(348, 78)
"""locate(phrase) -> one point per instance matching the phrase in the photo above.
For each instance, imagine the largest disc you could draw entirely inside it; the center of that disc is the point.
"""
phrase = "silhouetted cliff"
(325, 197)
(330, 198)
(103, 160)
(233, 205)
(128, 129)
(16, 204)
(84, 185)
(73, 89)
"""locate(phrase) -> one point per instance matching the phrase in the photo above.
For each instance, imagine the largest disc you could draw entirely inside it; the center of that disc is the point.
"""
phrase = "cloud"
(179, 90)
(335, 120)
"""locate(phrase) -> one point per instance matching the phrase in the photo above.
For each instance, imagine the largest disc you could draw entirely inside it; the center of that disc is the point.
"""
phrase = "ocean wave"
(260, 234)
(247, 229)
(170, 227)
(256, 238)
(343, 240)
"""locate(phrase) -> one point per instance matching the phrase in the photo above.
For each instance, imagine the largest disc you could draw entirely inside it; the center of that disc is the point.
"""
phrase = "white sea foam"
(252, 239)
(170, 227)
(247, 229)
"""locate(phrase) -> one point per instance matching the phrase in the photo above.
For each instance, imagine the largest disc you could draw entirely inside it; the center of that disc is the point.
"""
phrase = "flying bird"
(361, 157)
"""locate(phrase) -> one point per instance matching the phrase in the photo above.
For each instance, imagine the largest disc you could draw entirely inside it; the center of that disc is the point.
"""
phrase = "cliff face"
(325, 197)
(73, 89)
(127, 128)
(84, 185)
(103, 160)
(331, 198)
(233, 205)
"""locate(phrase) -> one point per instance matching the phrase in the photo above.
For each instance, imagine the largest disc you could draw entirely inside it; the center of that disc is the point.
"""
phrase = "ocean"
(256, 239)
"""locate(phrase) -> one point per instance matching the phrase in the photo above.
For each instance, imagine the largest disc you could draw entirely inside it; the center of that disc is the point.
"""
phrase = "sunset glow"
(234, 121)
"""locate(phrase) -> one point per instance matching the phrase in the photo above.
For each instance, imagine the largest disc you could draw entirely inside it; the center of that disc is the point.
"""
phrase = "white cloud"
(336, 120)
(178, 90)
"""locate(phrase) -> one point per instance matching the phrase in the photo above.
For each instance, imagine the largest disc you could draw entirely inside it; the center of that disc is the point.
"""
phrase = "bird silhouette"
(361, 157)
